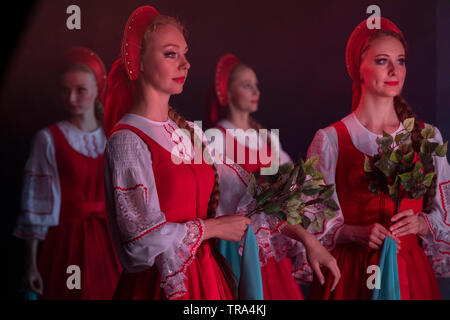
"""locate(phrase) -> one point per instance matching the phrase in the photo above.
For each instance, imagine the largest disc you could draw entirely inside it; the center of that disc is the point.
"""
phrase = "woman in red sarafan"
(161, 193)
(286, 256)
(375, 61)
(63, 200)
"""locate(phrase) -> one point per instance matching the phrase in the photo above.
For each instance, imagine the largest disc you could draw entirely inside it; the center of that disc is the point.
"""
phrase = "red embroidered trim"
(176, 142)
(262, 228)
(434, 232)
(135, 187)
(192, 250)
(180, 293)
(302, 268)
(51, 193)
(144, 233)
(281, 225)
(442, 199)
(334, 235)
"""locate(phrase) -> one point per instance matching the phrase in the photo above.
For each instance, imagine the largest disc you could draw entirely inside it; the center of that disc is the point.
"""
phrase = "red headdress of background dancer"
(90, 59)
(217, 96)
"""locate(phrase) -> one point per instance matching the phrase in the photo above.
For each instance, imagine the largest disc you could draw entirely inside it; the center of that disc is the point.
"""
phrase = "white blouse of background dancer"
(437, 242)
(41, 192)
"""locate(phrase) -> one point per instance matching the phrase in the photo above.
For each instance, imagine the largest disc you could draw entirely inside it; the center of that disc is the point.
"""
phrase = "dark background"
(295, 47)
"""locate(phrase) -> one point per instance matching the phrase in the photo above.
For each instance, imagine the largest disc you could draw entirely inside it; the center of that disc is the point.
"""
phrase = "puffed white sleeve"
(325, 145)
(41, 193)
(437, 242)
(141, 235)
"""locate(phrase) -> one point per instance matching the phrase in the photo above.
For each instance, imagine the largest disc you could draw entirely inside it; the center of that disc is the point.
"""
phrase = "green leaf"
(251, 188)
(305, 222)
(385, 142)
(428, 179)
(428, 132)
(292, 179)
(425, 158)
(309, 188)
(392, 190)
(409, 124)
(330, 203)
(286, 168)
(441, 150)
(404, 177)
(386, 166)
(312, 161)
(399, 137)
(317, 175)
(409, 157)
(294, 219)
(367, 165)
(328, 213)
(419, 193)
(272, 207)
(317, 224)
(262, 198)
(417, 173)
(395, 157)
(301, 175)
(293, 204)
(428, 147)
(327, 191)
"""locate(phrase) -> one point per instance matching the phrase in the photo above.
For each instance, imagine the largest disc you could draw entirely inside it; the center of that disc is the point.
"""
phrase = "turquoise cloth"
(230, 250)
(247, 268)
(250, 282)
(389, 283)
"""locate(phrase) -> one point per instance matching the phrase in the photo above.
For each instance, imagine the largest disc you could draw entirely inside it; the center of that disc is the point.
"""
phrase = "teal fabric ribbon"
(388, 273)
(250, 281)
(230, 250)
(247, 268)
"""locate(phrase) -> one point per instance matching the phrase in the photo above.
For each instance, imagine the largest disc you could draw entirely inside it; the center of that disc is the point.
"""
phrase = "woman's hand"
(33, 280)
(371, 236)
(318, 256)
(228, 227)
(407, 222)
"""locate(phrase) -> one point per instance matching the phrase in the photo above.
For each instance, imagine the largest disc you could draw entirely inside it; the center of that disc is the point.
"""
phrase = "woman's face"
(163, 63)
(383, 68)
(243, 92)
(78, 91)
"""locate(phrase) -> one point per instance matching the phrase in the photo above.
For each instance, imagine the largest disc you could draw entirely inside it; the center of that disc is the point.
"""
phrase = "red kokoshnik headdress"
(124, 72)
(219, 98)
(90, 59)
(357, 41)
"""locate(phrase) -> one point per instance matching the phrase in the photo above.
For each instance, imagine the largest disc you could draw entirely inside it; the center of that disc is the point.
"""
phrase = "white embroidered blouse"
(41, 192)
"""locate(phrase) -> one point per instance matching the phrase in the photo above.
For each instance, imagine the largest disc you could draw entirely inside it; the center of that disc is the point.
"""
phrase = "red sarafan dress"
(81, 237)
(360, 207)
(185, 269)
(277, 276)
